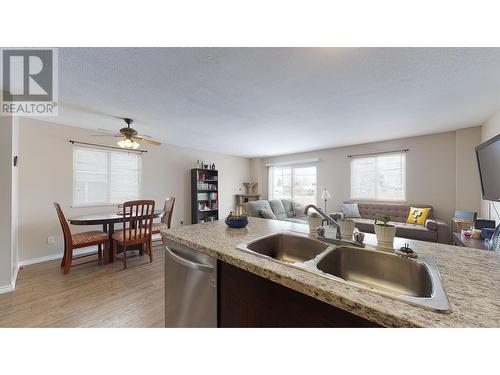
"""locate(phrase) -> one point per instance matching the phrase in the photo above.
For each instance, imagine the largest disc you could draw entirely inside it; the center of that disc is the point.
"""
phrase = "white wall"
(430, 167)
(490, 129)
(8, 203)
(45, 176)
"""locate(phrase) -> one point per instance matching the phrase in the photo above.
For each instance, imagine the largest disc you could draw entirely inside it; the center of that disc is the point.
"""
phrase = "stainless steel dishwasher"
(190, 287)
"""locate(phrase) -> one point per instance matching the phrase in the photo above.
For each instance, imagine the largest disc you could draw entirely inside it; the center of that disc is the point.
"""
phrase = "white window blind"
(105, 177)
(379, 177)
(293, 182)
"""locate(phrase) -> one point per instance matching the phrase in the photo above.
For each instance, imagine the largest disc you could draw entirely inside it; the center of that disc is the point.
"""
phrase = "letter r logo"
(27, 75)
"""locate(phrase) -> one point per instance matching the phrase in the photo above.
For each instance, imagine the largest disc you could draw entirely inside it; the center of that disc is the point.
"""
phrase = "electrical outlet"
(51, 240)
(182, 221)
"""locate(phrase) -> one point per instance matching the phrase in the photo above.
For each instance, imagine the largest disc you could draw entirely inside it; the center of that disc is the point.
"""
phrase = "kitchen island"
(471, 277)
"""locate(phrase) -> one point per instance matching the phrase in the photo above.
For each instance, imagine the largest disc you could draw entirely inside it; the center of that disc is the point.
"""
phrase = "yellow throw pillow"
(418, 215)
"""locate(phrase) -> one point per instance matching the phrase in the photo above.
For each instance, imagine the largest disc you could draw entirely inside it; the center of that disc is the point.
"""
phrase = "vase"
(314, 223)
(346, 228)
(385, 235)
(249, 187)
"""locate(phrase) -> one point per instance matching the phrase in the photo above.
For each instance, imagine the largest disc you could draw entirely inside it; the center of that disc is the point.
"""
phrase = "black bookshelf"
(204, 195)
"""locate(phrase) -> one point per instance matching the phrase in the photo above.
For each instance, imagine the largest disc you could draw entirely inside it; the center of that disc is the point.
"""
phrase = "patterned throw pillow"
(350, 210)
(417, 215)
(298, 209)
(266, 213)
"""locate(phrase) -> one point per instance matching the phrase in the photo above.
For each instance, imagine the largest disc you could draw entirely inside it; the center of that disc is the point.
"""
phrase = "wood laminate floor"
(91, 295)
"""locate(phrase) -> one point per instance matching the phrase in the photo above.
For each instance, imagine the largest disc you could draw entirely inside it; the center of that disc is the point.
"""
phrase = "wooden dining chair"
(137, 229)
(79, 240)
(166, 219)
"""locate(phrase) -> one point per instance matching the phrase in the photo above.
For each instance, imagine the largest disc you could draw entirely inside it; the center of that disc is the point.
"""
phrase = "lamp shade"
(325, 194)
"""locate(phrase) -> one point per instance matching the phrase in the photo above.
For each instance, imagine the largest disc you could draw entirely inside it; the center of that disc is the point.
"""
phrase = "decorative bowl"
(236, 223)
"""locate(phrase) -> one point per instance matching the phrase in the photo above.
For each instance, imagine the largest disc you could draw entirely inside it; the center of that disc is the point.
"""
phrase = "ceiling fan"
(130, 138)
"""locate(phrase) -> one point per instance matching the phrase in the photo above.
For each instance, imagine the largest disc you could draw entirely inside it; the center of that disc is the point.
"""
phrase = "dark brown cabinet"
(248, 300)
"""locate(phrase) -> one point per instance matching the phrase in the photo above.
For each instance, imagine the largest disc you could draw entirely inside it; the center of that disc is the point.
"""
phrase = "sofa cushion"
(288, 206)
(278, 209)
(267, 213)
(350, 210)
(411, 231)
(297, 220)
(254, 207)
(415, 232)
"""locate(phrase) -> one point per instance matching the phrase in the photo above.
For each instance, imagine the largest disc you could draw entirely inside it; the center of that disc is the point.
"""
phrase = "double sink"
(412, 280)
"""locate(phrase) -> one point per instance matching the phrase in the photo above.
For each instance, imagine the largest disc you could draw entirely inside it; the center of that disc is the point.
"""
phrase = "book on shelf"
(212, 196)
(205, 186)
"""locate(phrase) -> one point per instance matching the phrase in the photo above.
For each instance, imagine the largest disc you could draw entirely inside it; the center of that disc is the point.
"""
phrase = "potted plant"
(346, 227)
(385, 232)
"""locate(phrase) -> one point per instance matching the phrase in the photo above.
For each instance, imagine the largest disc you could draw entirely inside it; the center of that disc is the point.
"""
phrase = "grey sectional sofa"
(283, 209)
(434, 230)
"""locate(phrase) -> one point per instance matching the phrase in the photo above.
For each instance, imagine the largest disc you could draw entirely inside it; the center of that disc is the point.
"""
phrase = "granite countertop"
(471, 277)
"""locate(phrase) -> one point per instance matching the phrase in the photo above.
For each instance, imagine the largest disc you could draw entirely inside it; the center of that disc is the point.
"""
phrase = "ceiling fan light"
(135, 145)
(125, 143)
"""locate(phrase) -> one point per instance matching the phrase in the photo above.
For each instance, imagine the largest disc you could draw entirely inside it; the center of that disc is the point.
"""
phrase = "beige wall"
(8, 202)
(45, 176)
(430, 167)
(439, 170)
(490, 129)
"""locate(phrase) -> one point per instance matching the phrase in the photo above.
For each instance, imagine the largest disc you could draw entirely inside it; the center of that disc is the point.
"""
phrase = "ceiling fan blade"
(148, 141)
(104, 135)
(151, 142)
(105, 130)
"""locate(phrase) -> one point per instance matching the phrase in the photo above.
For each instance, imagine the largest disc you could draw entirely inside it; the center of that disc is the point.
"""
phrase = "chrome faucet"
(332, 222)
(322, 214)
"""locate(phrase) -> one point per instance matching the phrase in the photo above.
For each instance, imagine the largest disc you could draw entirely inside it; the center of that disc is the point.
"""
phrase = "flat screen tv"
(488, 160)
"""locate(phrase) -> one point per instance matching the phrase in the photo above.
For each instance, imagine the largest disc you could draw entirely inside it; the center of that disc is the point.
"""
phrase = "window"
(105, 177)
(293, 182)
(380, 177)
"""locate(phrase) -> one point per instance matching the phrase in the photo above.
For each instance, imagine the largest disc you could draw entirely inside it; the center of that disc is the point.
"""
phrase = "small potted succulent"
(385, 232)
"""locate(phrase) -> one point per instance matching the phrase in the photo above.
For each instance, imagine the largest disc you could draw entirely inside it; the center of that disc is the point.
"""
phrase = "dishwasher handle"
(188, 263)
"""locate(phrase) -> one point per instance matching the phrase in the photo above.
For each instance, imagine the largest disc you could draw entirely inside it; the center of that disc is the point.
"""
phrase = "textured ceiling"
(269, 101)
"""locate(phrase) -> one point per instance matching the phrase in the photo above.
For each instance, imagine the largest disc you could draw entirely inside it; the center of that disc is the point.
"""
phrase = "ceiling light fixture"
(128, 143)
(130, 138)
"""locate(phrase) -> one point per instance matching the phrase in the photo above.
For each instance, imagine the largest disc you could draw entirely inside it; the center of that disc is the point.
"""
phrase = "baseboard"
(51, 257)
(6, 288)
(12, 286)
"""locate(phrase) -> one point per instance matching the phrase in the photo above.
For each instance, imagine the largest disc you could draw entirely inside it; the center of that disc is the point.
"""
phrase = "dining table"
(108, 221)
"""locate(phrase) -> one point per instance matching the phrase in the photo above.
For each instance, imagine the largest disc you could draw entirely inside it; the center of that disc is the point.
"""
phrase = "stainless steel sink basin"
(286, 247)
(415, 281)
(379, 270)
